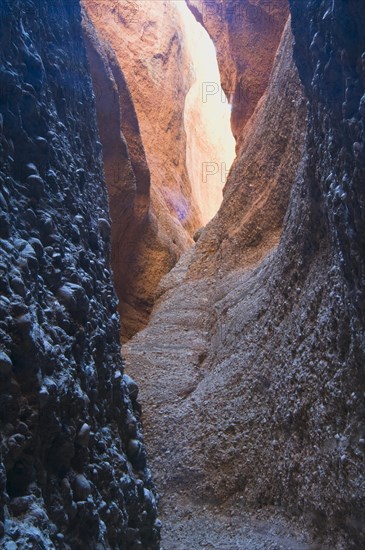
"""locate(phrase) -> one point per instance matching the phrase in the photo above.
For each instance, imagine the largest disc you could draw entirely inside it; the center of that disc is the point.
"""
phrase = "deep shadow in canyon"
(251, 362)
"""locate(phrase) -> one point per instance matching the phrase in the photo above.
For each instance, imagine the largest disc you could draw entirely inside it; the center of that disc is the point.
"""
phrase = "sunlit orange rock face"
(128, 179)
(246, 34)
(250, 221)
(166, 171)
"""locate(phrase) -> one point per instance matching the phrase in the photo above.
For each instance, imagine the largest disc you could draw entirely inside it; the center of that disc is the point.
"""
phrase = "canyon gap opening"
(164, 124)
(210, 149)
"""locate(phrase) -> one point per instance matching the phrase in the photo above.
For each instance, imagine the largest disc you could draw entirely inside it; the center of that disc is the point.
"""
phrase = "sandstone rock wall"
(147, 45)
(161, 54)
(140, 256)
(73, 465)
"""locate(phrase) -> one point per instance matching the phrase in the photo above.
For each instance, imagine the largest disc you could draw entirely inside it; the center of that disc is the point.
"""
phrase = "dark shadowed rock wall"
(330, 55)
(73, 468)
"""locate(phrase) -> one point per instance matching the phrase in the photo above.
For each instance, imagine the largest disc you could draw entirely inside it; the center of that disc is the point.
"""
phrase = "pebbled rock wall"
(330, 54)
(73, 468)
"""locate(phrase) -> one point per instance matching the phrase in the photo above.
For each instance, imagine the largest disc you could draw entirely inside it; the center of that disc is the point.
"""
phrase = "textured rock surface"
(73, 465)
(190, 359)
(261, 346)
(151, 44)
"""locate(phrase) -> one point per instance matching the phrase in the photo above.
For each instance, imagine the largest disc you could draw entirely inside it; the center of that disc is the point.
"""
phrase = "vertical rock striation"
(256, 197)
(73, 468)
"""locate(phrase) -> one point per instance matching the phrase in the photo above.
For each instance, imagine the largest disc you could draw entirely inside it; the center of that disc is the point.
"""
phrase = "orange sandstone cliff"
(164, 171)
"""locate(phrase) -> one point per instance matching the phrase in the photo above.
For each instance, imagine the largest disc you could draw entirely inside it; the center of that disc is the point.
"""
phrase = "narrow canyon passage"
(170, 357)
(203, 360)
(174, 358)
(157, 80)
(184, 177)
(232, 449)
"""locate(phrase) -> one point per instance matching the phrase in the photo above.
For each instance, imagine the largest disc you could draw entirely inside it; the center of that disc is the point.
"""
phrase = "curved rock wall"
(139, 254)
(330, 55)
(73, 466)
(160, 49)
(154, 215)
(148, 44)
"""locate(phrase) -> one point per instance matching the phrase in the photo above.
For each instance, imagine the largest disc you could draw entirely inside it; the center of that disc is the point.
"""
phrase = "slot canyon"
(182, 259)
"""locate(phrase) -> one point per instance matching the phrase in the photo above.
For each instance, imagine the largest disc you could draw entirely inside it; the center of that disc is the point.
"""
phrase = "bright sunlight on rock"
(207, 116)
(183, 133)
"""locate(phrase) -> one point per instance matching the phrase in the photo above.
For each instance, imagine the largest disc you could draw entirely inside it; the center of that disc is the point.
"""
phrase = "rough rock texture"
(150, 42)
(190, 359)
(330, 54)
(73, 468)
(253, 359)
(246, 34)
